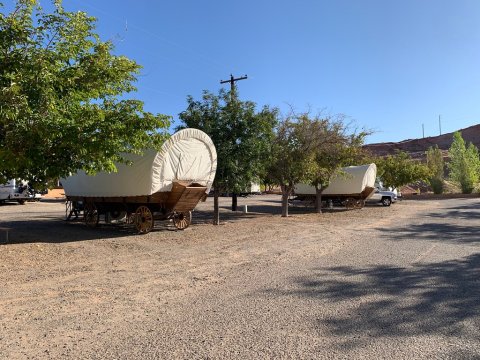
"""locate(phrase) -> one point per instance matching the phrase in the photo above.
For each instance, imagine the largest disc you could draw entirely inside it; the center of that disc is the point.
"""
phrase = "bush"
(437, 185)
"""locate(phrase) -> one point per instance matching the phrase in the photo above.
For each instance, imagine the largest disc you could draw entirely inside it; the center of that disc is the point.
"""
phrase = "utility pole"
(232, 87)
(232, 82)
(423, 130)
(440, 124)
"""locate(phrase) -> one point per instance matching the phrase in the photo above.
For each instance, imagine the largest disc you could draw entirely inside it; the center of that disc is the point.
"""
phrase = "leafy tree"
(399, 169)
(332, 147)
(311, 149)
(59, 90)
(292, 159)
(436, 166)
(464, 163)
(241, 136)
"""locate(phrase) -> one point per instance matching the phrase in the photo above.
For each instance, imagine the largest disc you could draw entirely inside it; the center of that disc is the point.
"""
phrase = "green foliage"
(59, 89)
(464, 163)
(292, 159)
(312, 150)
(399, 169)
(331, 145)
(435, 166)
(241, 136)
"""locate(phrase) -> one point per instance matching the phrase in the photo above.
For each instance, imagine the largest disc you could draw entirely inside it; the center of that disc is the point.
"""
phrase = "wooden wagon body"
(141, 211)
(162, 185)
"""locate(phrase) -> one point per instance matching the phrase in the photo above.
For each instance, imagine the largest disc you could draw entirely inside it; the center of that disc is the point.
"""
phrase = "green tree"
(59, 97)
(399, 169)
(436, 166)
(241, 136)
(332, 146)
(464, 163)
(311, 150)
(292, 159)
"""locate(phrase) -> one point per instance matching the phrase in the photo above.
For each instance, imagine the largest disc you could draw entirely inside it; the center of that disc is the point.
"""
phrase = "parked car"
(16, 191)
(386, 198)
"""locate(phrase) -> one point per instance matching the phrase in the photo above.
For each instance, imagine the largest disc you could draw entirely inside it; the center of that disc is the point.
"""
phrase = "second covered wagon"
(351, 187)
(164, 184)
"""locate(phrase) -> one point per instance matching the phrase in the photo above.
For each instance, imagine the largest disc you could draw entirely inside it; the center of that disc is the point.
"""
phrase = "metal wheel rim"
(143, 219)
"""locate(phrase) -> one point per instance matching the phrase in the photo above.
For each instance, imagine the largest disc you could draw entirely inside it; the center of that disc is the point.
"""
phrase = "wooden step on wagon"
(173, 180)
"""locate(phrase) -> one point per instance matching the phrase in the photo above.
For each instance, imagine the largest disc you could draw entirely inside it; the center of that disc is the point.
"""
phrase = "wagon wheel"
(68, 210)
(71, 209)
(130, 219)
(350, 203)
(182, 220)
(360, 204)
(143, 220)
(116, 216)
(90, 214)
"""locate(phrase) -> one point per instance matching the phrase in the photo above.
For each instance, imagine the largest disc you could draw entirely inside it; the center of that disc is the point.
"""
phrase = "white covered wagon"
(351, 187)
(164, 184)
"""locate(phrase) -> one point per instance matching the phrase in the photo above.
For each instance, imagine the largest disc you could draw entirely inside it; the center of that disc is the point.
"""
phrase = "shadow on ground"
(429, 299)
(457, 225)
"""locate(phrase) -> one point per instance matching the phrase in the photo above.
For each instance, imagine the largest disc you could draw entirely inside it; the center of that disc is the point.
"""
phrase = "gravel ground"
(399, 282)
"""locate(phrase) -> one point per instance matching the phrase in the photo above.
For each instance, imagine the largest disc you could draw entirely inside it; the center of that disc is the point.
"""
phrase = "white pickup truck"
(384, 197)
(15, 191)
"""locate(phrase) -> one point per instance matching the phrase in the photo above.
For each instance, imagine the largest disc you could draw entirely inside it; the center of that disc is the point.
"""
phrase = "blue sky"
(389, 65)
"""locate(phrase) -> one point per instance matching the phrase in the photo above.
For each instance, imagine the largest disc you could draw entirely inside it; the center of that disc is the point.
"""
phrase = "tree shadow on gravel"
(466, 212)
(455, 234)
(428, 299)
(46, 228)
(457, 225)
(253, 212)
(54, 230)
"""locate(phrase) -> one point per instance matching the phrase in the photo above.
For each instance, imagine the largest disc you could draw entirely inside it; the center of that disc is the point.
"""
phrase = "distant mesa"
(417, 147)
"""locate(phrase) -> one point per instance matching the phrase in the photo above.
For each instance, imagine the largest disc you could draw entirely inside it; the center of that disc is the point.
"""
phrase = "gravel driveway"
(399, 282)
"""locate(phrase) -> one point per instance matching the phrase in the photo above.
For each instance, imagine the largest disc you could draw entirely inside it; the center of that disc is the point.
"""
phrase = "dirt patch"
(67, 288)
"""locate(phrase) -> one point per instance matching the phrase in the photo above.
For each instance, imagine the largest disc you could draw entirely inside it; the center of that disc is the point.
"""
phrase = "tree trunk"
(286, 190)
(234, 202)
(318, 200)
(216, 208)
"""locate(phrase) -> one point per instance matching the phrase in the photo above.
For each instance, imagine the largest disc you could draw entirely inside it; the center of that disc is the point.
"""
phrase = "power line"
(181, 47)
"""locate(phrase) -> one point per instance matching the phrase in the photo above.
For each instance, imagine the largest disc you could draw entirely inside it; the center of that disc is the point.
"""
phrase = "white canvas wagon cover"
(353, 181)
(188, 155)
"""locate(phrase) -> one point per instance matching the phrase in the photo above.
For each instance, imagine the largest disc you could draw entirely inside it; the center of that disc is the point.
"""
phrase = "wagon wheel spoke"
(182, 220)
(90, 214)
(143, 219)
